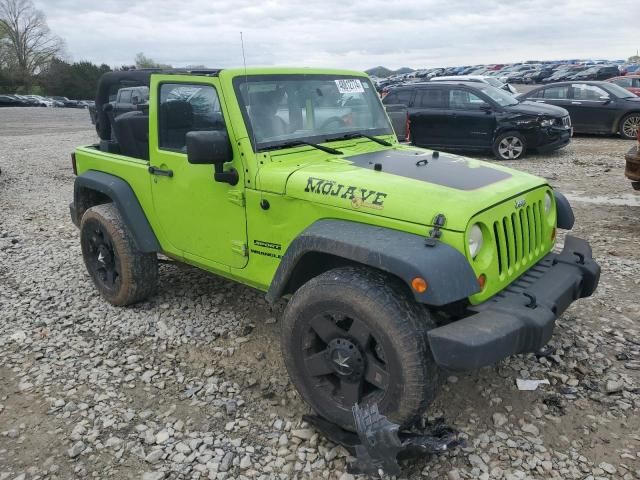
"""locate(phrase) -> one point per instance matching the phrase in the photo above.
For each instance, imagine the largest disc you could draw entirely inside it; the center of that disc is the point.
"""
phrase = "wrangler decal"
(359, 197)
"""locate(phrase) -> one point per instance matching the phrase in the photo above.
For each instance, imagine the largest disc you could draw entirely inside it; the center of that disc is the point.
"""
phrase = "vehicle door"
(396, 103)
(593, 108)
(472, 119)
(430, 116)
(202, 219)
(553, 95)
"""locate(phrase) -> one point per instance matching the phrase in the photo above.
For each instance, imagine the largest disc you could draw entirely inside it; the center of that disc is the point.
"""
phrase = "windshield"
(494, 82)
(501, 97)
(283, 109)
(618, 91)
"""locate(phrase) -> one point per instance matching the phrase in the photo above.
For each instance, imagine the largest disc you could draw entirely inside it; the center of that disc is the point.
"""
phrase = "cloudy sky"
(344, 33)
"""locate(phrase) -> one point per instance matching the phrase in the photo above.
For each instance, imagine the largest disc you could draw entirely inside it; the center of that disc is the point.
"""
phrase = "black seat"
(131, 131)
(176, 119)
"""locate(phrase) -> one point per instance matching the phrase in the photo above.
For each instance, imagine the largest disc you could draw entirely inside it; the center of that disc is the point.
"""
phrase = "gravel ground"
(191, 384)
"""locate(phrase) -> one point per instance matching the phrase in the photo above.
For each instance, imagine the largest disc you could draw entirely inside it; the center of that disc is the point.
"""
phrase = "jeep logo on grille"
(521, 202)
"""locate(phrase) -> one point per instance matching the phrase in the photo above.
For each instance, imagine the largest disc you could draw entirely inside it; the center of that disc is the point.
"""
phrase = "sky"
(344, 33)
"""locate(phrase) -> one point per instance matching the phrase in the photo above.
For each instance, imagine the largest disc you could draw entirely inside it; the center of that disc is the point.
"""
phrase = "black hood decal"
(441, 169)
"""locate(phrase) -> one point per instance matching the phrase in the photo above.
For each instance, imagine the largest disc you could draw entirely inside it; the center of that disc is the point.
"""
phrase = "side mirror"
(485, 107)
(135, 100)
(212, 148)
(605, 99)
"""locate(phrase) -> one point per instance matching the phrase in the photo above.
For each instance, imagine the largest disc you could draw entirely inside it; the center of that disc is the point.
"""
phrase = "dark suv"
(469, 116)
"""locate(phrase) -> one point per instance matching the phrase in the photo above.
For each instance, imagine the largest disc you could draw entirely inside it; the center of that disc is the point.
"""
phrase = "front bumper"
(521, 318)
(553, 139)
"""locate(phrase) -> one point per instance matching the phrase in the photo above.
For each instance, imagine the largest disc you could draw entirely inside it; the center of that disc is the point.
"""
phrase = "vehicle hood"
(535, 108)
(406, 184)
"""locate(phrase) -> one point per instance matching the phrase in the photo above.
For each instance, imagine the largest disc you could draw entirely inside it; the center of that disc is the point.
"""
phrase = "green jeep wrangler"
(397, 261)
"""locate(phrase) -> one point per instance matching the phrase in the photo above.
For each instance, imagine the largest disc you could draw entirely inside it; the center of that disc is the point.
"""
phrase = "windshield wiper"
(363, 135)
(296, 143)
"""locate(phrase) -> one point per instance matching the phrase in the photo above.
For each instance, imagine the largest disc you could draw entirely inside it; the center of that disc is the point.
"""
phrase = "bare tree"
(28, 43)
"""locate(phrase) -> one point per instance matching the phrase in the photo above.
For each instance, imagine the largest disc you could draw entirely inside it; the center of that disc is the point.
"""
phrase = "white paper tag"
(349, 85)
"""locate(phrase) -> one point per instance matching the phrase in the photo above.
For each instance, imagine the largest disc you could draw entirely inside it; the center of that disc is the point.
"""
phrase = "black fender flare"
(566, 219)
(448, 274)
(121, 193)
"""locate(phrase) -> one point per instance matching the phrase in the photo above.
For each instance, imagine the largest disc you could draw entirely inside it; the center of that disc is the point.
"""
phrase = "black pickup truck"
(124, 100)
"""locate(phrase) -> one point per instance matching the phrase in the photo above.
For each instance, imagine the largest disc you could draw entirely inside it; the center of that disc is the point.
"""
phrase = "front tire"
(629, 126)
(509, 146)
(354, 335)
(122, 274)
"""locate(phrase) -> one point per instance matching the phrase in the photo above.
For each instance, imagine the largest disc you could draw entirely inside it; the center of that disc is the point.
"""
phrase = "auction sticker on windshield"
(349, 85)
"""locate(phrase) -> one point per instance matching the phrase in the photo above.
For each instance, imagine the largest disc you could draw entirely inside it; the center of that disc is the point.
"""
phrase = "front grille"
(519, 238)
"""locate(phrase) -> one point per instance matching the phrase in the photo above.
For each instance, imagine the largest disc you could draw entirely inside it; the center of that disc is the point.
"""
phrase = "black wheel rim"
(101, 257)
(343, 360)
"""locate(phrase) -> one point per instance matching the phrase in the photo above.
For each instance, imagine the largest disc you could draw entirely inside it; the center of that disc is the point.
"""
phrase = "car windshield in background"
(618, 91)
(501, 97)
(494, 82)
(280, 110)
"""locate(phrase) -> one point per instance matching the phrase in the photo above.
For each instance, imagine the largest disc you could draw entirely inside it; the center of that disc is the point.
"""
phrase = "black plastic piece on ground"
(379, 443)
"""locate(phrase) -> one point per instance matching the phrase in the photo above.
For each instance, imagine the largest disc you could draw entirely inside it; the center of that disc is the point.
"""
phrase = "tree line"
(32, 58)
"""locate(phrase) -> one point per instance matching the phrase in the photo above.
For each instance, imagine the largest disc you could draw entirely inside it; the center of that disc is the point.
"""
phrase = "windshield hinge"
(237, 197)
(435, 233)
(239, 247)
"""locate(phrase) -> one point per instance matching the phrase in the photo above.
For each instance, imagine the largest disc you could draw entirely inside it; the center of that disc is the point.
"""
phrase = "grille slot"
(519, 238)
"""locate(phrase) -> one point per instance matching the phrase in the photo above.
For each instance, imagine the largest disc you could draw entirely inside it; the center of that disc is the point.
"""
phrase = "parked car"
(598, 72)
(538, 75)
(595, 107)
(10, 101)
(562, 74)
(66, 102)
(630, 82)
(472, 116)
(493, 81)
(40, 101)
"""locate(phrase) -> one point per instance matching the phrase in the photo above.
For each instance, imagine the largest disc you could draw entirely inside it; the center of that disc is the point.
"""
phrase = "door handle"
(576, 103)
(161, 172)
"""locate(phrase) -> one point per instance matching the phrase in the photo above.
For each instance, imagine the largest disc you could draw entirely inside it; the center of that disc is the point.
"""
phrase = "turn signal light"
(482, 281)
(419, 285)
(553, 234)
(74, 166)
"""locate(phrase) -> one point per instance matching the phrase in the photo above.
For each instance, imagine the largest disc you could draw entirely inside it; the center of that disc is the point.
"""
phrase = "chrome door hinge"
(239, 247)
(237, 197)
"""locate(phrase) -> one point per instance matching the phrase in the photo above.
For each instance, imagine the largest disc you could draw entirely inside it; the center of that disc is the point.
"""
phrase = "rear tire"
(509, 146)
(354, 335)
(122, 274)
(629, 126)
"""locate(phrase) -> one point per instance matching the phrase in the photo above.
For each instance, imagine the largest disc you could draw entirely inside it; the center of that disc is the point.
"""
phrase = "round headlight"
(475, 240)
(548, 201)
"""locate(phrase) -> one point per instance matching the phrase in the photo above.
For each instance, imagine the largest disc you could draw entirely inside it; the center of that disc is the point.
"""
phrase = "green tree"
(74, 80)
(27, 43)
(142, 61)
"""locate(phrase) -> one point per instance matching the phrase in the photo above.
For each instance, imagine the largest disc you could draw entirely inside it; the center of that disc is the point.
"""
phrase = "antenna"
(253, 133)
